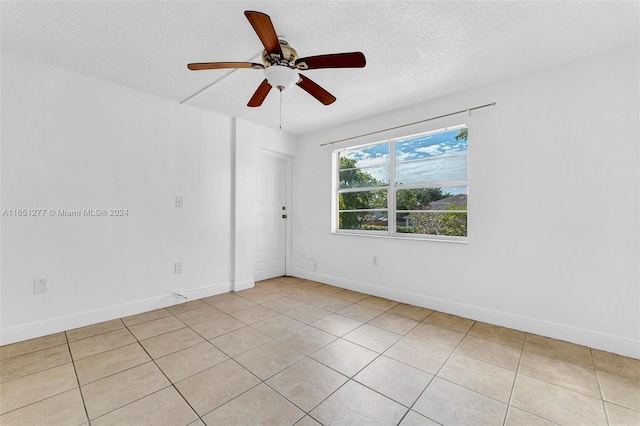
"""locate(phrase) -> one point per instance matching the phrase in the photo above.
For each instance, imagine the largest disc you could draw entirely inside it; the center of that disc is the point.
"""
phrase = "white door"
(270, 211)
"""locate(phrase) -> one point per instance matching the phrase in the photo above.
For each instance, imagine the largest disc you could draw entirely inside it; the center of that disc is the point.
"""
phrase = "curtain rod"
(410, 124)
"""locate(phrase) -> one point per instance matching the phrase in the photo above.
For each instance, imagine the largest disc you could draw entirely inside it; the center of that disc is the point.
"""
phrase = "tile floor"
(291, 351)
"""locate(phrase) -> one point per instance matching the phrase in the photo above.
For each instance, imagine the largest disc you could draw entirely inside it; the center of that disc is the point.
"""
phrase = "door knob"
(284, 216)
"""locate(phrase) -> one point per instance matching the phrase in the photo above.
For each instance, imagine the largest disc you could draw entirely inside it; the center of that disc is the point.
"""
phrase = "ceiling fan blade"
(335, 60)
(220, 65)
(316, 91)
(263, 26)
(261, 93)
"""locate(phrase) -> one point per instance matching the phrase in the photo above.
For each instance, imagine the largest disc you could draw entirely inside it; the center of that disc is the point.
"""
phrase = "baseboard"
(243, 285)
(605, 342)
(43, 328)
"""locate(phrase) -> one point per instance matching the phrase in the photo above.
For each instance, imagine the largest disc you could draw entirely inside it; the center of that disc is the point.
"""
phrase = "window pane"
(374, 155)
(434, 145)
(358, 178)
(431, 198)
(443, 169)
(432, 223)
(362, 200)
(367, 221)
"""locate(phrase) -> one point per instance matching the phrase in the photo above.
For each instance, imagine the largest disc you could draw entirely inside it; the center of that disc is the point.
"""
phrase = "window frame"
(392, 187)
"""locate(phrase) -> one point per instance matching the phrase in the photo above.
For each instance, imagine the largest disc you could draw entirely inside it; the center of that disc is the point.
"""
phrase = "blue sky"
(374, 159)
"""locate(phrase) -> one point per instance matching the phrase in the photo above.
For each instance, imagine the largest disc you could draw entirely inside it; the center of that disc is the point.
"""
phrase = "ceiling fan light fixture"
(281, 77)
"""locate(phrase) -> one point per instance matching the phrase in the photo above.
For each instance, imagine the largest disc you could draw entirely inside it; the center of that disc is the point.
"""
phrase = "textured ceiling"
(415, 50)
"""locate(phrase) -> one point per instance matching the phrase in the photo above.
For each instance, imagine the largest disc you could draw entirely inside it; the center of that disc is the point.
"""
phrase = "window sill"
(409, 237)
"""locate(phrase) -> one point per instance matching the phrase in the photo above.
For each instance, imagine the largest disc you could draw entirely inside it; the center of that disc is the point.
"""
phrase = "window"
(411, 187)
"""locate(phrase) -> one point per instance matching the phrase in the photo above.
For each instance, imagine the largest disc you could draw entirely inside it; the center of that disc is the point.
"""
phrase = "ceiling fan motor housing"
(289, 55)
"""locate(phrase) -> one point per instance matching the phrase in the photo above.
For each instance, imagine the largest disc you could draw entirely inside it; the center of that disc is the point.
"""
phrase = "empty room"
(320, 213)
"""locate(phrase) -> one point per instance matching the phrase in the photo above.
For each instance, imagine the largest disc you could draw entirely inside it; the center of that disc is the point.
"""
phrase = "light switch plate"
(179, 201)
(39, 286)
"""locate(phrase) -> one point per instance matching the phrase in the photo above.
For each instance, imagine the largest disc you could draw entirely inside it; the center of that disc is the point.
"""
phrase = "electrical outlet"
(39, 286)
(179, 201)
(178, 267)
(375, 260)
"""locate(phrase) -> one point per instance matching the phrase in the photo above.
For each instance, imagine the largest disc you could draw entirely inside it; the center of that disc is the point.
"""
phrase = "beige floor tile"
(344, 357)
(110, 393)
(100, 343)
(414, 419)
(487, 379)
(165, 407)
(354, 404)
(186, 306)
(331, 303)
(254, 314)
(263, 297)
(570, 375)
(173, 341)
(617, 364)
(240, 341)
(415, 313)
(437, 336)
(620, 416)
(32, 345)
(553, 348)
(32, 362)
(217, 326)
(373, 338)
(197, 423)
(620, 390)
(336, 324)
(557, 404)
(156, 327)
(448, 403)
(452, 322)
(494, 353)
(36, 387)
(326, 290)
(394, 323)
(199, 315)
(268, 359)
(307, 421)
(417, 354)
(277, 326)
(306, 296)
(283, 304)
(92, 330)
(350, 295)
(213, 387)
(307, 383)
(360, 313)
(145, 316)
(497, 334)
(259, 406)
(307, 339)
(248, 292)
(213, 300)
(190, 361)
(63, 409)
(517, 417)
(231, 305)
(394, 379)
(307, 314)
(110, 362)
(379, 303)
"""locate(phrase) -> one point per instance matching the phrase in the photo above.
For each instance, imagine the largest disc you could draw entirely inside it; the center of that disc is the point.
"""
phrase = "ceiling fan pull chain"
(280, 108)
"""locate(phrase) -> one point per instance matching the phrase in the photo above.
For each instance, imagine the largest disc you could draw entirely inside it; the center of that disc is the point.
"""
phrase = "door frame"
(288, 178)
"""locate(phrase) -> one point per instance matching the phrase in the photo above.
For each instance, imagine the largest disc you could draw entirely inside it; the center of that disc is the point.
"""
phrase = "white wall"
(553, 208)
(74, 142)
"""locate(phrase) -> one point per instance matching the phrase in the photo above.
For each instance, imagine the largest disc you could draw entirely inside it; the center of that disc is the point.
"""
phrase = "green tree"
(352, 177)
(462, 134)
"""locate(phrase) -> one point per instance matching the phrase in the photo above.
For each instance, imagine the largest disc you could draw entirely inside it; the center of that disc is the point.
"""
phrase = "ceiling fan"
(280, 63)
